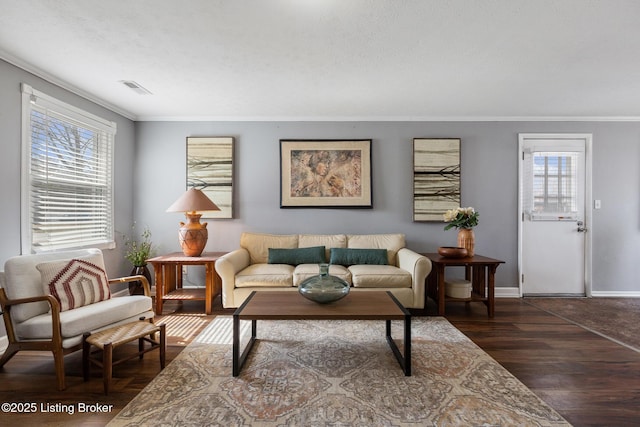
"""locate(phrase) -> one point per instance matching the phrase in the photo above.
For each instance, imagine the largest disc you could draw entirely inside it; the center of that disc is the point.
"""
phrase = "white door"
(554, 243)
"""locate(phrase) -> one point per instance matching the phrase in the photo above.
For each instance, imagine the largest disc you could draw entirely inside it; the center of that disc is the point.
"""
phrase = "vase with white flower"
(464, 219)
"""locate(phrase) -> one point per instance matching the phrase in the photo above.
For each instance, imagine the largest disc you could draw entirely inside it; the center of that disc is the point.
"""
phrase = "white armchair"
(49, 300)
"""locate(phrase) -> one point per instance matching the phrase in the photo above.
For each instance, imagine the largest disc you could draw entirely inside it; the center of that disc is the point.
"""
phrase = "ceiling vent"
(135, 87)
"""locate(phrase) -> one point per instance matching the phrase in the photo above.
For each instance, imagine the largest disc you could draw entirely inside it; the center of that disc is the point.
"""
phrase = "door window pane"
(554, 183)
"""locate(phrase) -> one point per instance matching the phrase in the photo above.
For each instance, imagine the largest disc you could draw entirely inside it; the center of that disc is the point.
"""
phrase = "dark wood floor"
(589, 380)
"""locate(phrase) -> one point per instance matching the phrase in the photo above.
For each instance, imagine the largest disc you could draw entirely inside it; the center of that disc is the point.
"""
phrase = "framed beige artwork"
(325, 173)
(210, 169)
(436, 177)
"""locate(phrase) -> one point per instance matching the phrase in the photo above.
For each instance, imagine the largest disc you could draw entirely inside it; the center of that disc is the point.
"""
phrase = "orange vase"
(467, 239)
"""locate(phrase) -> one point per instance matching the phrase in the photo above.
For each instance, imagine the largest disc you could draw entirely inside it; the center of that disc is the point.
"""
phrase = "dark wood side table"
(168, 275)
(480, 270)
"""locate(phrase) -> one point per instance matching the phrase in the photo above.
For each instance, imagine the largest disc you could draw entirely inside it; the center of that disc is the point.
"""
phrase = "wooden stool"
(111, 338)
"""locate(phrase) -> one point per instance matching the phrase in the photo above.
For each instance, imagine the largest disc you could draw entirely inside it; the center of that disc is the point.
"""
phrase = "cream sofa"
(261, 264)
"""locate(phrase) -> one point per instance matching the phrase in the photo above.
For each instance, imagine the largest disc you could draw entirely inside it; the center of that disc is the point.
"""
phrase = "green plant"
(137, 252)
(461, 218)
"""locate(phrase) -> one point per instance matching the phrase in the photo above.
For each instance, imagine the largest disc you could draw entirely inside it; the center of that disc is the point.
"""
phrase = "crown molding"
(386, 119)
(64, 85)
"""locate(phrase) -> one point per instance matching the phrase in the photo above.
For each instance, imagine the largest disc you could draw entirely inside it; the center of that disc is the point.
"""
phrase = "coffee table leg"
(405, 362)
(407, 346)
(238, 359)
(236, 346)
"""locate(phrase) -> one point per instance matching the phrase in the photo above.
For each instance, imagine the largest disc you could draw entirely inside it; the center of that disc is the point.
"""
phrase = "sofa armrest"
(227, 266)
(419, 266)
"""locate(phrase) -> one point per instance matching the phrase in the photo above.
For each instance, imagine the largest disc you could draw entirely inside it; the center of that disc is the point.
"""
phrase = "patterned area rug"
(336, 373)
(616, 319)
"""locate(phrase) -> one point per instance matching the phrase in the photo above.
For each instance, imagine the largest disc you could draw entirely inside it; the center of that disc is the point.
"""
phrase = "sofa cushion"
(75, 283)
(304, 271)
(349, 256)
(311, 255)
(258, 244)
(269, 275)
(379, 276)
(327, 240)
(391, 242)
(87, 318)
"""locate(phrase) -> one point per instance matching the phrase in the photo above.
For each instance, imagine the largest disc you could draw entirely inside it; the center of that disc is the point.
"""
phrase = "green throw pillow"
(311, 255)
(350, 256)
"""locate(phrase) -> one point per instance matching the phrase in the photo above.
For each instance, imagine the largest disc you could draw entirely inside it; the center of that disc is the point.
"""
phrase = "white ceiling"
(336, 59)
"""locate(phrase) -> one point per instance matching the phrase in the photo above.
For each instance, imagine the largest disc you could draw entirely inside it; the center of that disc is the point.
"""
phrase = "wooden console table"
(479, 270)
(168, 275)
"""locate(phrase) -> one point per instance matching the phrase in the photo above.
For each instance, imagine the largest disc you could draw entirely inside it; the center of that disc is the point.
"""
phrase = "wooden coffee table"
(278, 305)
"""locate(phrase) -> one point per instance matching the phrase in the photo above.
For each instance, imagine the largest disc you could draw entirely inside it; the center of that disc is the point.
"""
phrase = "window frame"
(31, 97)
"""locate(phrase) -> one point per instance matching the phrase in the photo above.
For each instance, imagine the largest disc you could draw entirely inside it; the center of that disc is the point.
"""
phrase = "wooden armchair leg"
(58, 358)
(11, 351)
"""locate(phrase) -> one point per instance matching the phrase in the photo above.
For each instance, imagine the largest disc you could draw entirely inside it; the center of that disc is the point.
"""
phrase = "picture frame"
(436, 177)
(210, 169)
(325, 173)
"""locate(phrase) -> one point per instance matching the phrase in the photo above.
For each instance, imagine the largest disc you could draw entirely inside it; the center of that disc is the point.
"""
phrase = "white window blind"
(551, 184)
(67, 176)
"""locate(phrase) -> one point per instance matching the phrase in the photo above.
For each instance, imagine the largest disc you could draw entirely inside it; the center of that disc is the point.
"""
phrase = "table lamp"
(193, 235)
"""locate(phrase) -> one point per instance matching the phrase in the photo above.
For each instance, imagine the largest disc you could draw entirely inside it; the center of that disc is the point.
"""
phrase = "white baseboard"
(125, 292)
(618, 294)
(4, 343)
(120, 293)
(512, 292)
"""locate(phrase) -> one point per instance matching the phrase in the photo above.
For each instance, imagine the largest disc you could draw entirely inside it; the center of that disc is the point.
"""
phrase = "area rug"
(616, 319)
(336, 373)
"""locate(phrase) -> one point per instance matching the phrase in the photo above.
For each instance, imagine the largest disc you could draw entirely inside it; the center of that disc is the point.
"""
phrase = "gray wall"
(489, 183)
(10, 160)
(150, 175)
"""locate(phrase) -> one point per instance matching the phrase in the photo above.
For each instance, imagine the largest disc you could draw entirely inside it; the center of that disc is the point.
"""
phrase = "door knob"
(581, 229)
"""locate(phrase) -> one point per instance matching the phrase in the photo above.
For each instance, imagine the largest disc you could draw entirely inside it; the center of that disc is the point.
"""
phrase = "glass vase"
(324, 288)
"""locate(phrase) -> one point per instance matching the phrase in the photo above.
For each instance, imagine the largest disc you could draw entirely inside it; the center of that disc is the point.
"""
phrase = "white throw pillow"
(75, 283)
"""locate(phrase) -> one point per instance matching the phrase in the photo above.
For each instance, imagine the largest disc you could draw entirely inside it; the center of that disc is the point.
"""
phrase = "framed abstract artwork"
(325, 173)
(210, 169)
(436, 177)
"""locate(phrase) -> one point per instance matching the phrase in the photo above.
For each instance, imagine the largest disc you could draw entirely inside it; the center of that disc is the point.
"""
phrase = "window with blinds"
(554, 183)
(551, 184)
(67, 176)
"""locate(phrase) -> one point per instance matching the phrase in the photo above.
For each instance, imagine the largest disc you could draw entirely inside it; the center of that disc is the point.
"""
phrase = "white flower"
(461, 218)
(450, 215)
